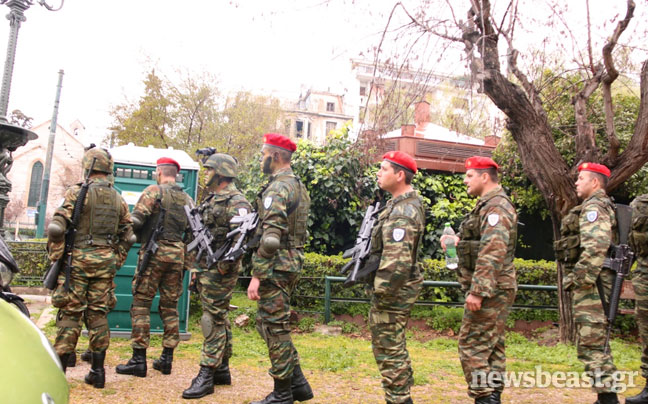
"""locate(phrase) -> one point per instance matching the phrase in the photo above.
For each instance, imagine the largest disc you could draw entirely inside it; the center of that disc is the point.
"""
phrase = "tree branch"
(608, 79)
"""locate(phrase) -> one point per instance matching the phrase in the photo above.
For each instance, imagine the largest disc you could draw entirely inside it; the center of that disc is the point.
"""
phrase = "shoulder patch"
(242, 211)
(267, 202)
(493, 219)
(398, 234)
(591, 216)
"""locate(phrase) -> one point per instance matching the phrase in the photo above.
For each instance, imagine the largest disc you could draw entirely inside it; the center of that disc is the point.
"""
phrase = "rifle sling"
(601, 292)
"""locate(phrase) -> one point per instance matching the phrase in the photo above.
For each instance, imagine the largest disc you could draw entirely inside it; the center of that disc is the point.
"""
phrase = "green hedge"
(32, 259)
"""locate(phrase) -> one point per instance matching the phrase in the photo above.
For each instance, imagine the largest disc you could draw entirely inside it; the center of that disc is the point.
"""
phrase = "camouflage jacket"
(146, 206)
(397, 236)
(124, 228)
(216, 210)
(276, 196)
(495, 241)
(597, 227)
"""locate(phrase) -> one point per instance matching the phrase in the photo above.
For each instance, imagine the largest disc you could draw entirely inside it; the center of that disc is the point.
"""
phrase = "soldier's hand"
(253, 289)
(445, 238)
(473, 302)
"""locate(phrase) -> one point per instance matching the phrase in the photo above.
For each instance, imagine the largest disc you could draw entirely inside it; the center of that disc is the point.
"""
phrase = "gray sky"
(105, 47)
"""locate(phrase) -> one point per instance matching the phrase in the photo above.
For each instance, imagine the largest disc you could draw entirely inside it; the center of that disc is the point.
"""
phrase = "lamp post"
(12, 136)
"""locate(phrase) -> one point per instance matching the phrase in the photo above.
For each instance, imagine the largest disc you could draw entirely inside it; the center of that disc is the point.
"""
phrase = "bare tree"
(512, 79)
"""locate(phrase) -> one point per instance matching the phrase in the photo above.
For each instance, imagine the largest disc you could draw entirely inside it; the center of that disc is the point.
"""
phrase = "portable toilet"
(134, 171)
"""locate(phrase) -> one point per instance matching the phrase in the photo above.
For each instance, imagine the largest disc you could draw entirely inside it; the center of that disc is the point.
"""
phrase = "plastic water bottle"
(451, 251)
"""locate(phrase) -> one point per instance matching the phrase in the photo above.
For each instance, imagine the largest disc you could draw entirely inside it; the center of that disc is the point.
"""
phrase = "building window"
(363, 90)
(330, 107)
(299, 128)
(35, 184)
(330, 126)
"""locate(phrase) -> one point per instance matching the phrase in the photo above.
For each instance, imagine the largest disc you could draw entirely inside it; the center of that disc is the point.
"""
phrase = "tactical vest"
(568, 247)
(297, 212)
(214, 215)
(376, 232)
(175, 218)
(638, 239)
(100, 219)
(470, 236)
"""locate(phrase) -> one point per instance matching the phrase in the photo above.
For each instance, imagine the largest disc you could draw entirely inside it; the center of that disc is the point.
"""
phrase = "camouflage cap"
(103, 163)
(223, 164)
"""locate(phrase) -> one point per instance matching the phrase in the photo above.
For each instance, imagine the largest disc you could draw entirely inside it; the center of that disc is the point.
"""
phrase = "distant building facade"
(26, 174)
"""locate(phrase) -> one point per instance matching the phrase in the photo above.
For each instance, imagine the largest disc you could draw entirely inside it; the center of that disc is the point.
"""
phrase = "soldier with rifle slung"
(397, 280)
(587, 232)
(216, 282)
(160, 222)
(89, 238)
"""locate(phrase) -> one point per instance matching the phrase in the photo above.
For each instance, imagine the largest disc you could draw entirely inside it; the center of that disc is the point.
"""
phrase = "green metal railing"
(446, 284)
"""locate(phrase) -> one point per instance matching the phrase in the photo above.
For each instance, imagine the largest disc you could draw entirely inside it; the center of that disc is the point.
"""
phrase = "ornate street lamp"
(12, 136)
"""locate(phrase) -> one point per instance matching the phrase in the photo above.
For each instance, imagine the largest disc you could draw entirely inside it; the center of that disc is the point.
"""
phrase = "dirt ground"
(253, 383)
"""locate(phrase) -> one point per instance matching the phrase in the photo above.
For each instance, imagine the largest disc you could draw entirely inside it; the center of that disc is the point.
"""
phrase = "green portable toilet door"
(130, 181)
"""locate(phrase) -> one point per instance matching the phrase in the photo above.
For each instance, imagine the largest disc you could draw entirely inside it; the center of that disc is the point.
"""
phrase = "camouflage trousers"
(481, 344)
(273, 322)
(167, 278)
(591, 324)
(215, 294)
(640, 283)
(91, 294)
(387, 321)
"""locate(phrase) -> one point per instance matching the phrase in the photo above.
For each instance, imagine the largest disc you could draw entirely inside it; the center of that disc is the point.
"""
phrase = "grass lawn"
(341, 369)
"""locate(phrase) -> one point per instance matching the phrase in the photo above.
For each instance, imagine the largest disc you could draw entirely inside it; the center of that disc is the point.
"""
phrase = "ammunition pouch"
(467, 252)
(568, 249)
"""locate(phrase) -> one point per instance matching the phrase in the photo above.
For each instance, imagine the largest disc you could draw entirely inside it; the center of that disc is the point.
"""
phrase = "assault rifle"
(151, 246)
(204, 153)
(202, 238)
(50, 279)
(619, 260)
(247, 227)
(360, 251)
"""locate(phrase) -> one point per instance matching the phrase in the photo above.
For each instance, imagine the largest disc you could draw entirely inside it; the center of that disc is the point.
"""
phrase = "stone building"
(26, 174)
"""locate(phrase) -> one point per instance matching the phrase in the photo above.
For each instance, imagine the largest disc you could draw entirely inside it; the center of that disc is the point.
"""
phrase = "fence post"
(327, 300)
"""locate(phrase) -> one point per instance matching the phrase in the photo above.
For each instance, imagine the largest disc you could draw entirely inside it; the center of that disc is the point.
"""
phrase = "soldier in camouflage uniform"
(396, 284)
(164, 271)
(283, 207)
(639, 243)
(215, 285)
(485, 248)
(104, 236)
(586, 234)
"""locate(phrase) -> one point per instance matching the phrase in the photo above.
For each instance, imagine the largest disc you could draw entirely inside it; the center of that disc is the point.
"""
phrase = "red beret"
(401, 159)
(277, 140)
(168, 161)
(480, 163)
(597, 168)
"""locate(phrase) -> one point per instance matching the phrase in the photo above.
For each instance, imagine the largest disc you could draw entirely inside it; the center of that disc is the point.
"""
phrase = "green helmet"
(223, 164)
(103, 162)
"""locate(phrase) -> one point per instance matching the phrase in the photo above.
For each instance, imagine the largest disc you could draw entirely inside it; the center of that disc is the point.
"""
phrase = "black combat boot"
(301, 390)
(282, 394)
(136, 365)
(607, 398)
(485, 400)
(97, 375)
(87, 355)
(641, 398)
(202, 384)
(71, 360)
(64, 359)
(164, 363)
(222, 375)
(496, 397)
